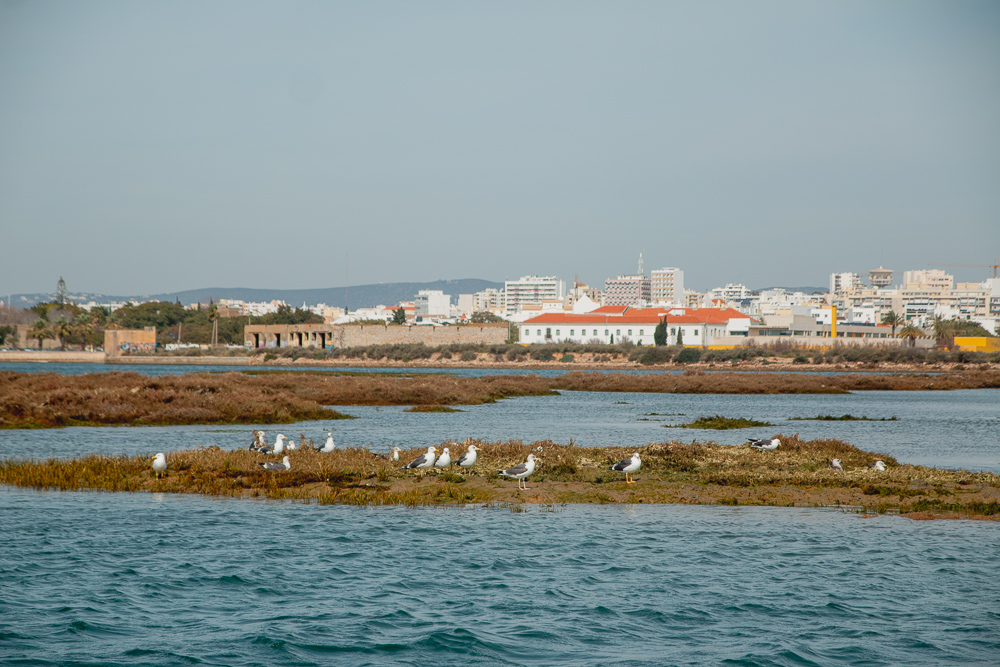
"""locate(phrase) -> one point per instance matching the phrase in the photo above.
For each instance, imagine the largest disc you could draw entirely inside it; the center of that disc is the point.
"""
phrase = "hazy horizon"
(160, 147)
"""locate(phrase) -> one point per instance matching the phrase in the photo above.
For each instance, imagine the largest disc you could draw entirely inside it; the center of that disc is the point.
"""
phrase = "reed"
(719, 423)
(796, 474)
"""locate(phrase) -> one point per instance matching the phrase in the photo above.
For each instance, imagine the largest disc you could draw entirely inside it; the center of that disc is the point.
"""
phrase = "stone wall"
(125, 342)
(363, 335)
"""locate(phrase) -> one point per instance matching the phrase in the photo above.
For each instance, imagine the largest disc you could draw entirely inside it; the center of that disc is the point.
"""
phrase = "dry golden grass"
(702, 473)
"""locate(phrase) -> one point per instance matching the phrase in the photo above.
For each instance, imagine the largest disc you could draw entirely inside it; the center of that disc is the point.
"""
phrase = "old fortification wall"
(362, 335)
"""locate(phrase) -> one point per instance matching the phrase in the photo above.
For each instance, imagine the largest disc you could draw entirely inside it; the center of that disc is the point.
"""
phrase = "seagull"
(444, 461)
(258, 441)
(422, 461)
(329, 446)
(159, 464)
(835, 464)
(277, 448)
(878, 465)
(520, 471)
(468, 459)
(765, 444)
(389, 456)
(277, 467)
(538, 449)
(395, 453)
(628, 466)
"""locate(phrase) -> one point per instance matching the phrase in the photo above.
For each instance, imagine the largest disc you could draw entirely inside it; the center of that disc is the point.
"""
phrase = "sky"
(148, 147)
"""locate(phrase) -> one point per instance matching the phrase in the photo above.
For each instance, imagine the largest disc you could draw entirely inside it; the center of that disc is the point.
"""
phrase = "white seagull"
(277, 448)
(258, 442)
(765, 444)
(878, 465)
(328, 446)
(422, 461)
(468, 459)
(159, 464)
(444, 461)
(520, 471)
(395, 453)
(835, 464)
(277, 467)
(628, 466)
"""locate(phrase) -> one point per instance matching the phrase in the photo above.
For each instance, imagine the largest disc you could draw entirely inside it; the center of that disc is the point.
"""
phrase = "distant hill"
(357, 295)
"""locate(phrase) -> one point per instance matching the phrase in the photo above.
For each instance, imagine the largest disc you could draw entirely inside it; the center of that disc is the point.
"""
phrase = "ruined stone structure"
(362, 335)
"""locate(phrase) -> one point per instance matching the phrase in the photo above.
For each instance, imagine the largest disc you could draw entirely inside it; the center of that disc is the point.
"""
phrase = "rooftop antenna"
(347, 282)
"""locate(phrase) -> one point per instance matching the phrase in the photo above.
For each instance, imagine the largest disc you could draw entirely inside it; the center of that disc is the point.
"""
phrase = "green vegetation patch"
(844, 418)
(719, 423)
(431, 408)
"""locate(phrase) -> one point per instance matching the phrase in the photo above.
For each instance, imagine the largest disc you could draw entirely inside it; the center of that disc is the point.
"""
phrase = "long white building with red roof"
(616, 324)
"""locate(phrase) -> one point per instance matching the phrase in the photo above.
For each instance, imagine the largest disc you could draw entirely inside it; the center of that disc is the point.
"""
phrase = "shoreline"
(796, 475)
(772, 365)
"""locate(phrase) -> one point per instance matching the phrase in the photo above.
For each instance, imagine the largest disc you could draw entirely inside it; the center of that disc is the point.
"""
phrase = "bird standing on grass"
(277, 448)
(159, 464)
(423, 461)
(468, 459)
(628, 466)
(277, 467)
(520, 471)
(328, 446)
(765, 444)
(444, 461)
(835, 464)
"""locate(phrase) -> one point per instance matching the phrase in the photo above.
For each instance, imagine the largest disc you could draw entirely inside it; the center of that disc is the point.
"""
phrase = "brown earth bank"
(795, 475)
(34, 400)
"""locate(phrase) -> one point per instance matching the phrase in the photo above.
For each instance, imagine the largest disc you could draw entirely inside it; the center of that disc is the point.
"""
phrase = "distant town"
(629, 307)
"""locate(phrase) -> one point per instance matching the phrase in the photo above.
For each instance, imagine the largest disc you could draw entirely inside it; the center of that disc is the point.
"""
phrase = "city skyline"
(148, 148)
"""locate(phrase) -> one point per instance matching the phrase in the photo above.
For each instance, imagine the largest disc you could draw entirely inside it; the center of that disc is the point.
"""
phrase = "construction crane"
(993, 266)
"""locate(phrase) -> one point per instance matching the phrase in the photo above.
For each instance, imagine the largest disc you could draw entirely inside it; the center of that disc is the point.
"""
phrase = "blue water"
(948, 429)
(139, 579)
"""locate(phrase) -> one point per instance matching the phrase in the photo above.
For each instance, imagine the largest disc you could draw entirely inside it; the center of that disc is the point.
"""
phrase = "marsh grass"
(34, 400)
(672, 472)
(431, 408)
(719, 423)
(844, 418)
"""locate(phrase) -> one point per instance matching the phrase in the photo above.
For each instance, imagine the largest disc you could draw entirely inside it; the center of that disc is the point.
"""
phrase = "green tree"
(893, 320)
(660, 333)
(485, 317)
(680, 335)
(911, 333)
(40, 331)
(399, 316)
(61, 293)
(62, 330)
(83, 328)
(5, 333)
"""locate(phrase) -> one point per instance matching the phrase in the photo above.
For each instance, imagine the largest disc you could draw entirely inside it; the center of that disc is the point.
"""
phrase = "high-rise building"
(880, 277)
(667, 286)
(432, 303)
(627, 291)
(841, 283)
(532, 290)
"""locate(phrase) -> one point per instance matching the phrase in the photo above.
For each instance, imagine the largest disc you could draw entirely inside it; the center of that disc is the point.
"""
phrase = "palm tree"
(40, 331)
(83, 326)
(63, 330)
(943, 329)
(893, 320)
(912, 333)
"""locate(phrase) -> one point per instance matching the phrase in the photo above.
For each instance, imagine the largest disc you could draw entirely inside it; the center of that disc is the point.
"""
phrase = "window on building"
(640, 331)
(618, 332)
(595, 332)
(539, 332)
(629, 332)
(557, 332)
(605, 332)
(571, 331)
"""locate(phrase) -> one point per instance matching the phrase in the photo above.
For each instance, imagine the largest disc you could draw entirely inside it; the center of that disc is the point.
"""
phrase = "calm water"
(121, 579)
(950, 429)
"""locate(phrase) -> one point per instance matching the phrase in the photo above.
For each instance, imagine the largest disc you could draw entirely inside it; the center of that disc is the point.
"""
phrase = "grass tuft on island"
(843, 418)
(431, 408)
(719, 423)
(796, 475)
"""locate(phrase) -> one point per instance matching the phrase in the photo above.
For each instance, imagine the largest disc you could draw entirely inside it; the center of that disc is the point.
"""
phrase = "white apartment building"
(667, 286)
(531, 290)
(432, 303)
(929, 280)
(490, 300)
(627, 291)
(842, 283)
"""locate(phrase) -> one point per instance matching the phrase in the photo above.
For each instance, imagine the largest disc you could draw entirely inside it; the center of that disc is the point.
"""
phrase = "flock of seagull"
(430, 459)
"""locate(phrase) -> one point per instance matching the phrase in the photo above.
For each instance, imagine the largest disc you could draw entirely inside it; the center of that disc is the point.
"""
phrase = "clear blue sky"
(156, 146)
